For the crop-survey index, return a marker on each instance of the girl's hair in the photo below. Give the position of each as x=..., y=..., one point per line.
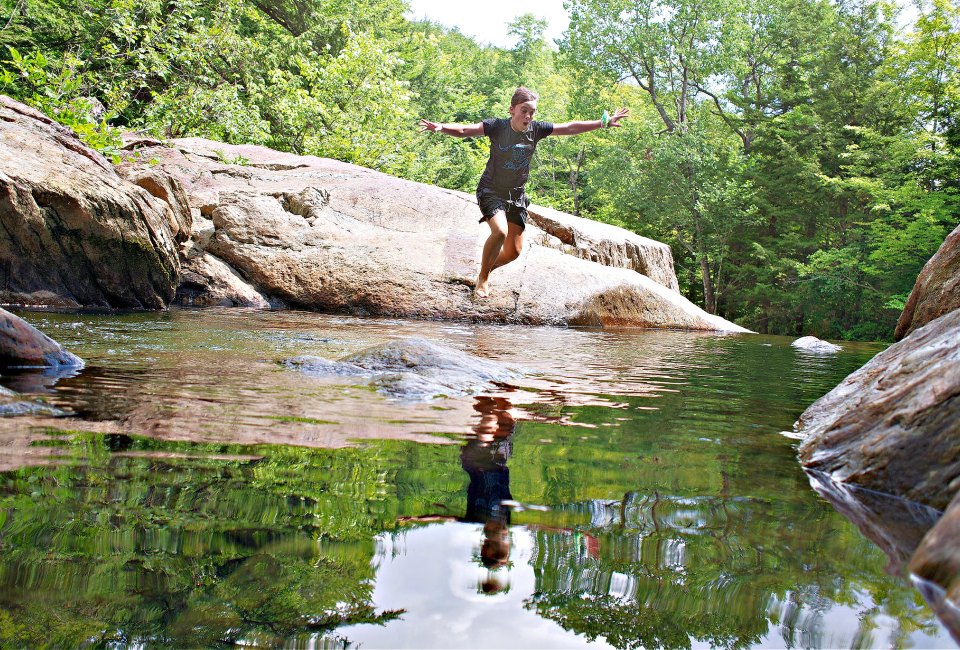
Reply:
x=521, y=95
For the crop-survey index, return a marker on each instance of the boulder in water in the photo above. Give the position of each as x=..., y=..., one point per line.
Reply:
x=894, y=425
x=23, y=345
x=813, y=344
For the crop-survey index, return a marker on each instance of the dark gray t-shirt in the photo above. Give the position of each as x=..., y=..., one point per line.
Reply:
x=510, y=152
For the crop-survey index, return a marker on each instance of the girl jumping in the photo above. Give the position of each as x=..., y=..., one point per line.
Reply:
x=500, y=192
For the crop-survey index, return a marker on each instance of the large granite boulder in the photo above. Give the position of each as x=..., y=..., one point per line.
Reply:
x=894, y=425
x=73, y=232
x=325, y=235
x=937, y=290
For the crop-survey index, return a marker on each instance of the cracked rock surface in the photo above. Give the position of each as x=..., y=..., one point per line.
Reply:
x=894, y=425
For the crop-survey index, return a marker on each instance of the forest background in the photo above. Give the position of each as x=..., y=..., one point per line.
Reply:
x=799, y=156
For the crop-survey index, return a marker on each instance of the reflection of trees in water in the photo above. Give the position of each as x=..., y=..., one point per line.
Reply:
x=200, y=548
x=183, y=547
x=670, y=569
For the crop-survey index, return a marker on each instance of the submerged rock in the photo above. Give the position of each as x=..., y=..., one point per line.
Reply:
x=937, y=289
x=894, y=425
x=23, y=345
x=321, y=367
x=813, y=344
x=412, y=369
x=72, y=232
x=12, y=404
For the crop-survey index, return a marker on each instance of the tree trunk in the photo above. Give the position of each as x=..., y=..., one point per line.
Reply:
x=709, y=302
x=709, y=299
x=574, y=177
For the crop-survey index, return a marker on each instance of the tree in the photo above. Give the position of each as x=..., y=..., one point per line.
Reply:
x=668, y=50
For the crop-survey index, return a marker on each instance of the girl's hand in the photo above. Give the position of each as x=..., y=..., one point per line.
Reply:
x=426, y=125
x=621, y=114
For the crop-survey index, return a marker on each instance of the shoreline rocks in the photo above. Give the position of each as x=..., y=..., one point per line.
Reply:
x=207, y=223
x=324, y=235
x=893, y=428
x=24, y=346
x=73, y=232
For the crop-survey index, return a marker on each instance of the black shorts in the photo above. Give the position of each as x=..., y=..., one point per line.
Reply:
x=514, y=205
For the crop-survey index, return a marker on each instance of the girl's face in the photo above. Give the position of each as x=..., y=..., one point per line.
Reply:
x=522, y=114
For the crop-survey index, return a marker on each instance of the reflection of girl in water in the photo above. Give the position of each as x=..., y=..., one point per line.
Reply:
x=484, y=459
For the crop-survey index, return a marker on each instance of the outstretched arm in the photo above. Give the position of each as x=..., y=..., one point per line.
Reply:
x=458, y=130
x=573, y=128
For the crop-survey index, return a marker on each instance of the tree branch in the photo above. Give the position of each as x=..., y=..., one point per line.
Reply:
x=724, y=116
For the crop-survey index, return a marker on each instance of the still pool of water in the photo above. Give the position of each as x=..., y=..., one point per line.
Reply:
x=631, y=489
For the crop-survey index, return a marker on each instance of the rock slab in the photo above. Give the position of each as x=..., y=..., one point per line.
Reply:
x=894, y=425
x=324, y=235
x=72, y=232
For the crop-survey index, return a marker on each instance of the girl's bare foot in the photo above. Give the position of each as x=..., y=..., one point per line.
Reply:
x=483, y=288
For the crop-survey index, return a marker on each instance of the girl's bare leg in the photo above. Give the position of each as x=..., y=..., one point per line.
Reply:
x=491, y=251
x=512, y=246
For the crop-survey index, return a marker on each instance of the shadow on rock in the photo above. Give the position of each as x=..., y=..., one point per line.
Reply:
x=411, y=369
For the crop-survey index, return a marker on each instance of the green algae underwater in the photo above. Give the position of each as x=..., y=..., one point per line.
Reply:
x=631, y=488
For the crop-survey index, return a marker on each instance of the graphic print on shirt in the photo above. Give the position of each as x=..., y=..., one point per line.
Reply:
x=508, y=166
x=520, y=155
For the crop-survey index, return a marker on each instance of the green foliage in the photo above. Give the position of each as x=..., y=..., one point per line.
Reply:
x=845, y=183
x=57, y=89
